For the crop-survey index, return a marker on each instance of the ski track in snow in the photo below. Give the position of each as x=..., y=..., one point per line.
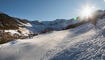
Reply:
x=81, y=43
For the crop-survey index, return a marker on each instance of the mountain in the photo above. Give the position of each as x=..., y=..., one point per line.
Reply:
x=12, y=28
x=84, y=42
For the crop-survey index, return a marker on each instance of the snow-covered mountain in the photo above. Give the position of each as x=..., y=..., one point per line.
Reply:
x=22, y=28
x=12, y=23
x=85, y=42
x=27, y=27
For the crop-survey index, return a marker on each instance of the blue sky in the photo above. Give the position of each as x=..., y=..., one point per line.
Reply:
x=46, y=9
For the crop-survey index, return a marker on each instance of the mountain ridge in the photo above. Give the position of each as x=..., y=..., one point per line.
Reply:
x=85, y=42
x=22, y=28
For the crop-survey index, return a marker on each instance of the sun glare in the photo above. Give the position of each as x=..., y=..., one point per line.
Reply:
x=87, y=11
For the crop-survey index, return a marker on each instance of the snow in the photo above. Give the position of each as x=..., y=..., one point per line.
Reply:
x=24, y=31
x=85, y=42
x=58, y=24
x=28, y=25
x=12, y=31
x=24, y=24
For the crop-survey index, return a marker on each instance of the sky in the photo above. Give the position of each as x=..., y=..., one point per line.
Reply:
x=45, y=10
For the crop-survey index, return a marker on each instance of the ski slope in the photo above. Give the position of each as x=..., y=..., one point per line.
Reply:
x=85, y=42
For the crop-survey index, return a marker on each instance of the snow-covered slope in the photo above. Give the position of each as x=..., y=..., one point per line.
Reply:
x=85, y=42
x=39, y=27
x=11, y=23
x=58, y=24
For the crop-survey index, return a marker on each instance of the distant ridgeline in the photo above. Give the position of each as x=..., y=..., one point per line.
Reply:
x=12, y=28
x=7, y=22
x=98, y=14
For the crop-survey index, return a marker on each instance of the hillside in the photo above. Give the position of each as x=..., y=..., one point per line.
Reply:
x=85, y=42
x=12, y=28
x=69, y=40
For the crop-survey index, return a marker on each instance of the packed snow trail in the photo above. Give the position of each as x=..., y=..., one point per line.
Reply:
x=81, y=43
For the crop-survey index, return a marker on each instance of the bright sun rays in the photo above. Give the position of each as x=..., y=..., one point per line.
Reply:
x=87, y=11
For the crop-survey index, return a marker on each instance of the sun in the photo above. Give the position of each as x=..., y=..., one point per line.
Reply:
x=87, y=11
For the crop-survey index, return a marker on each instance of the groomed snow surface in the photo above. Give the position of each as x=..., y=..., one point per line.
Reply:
x=85, y=42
